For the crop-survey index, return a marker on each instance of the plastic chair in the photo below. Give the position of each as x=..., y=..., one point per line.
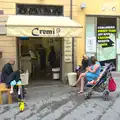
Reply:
x=4, y=89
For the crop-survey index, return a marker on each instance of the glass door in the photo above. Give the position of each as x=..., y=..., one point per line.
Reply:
x=106, y=40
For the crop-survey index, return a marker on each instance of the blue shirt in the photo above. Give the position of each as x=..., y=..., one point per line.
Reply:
x=98, y=70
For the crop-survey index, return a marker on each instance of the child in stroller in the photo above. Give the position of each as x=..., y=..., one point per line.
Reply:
x=101, y=83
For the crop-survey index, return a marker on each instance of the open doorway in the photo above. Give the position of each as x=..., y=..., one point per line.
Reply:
x=39, y=56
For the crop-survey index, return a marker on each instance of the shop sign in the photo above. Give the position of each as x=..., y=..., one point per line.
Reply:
x=68, y=50
x=91, y=45
x=38, y=32
x=43, y=31
x=103, y=35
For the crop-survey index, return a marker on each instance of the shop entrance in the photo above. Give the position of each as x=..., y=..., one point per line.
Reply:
x=39, y=56
x=106, y=40
x=42, y=32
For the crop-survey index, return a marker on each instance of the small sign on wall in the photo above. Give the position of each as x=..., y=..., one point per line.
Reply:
x=1, y=12
x=3, y=30
x=91, y=45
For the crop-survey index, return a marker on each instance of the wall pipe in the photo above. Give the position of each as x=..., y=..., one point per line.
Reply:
x=71, y=3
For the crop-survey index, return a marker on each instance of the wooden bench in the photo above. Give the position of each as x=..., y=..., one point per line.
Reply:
x=4, y=89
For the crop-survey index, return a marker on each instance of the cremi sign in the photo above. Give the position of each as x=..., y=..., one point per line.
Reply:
x=20, y=31
x=38, y=31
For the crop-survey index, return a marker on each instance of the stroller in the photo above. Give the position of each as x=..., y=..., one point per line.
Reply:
x=102, y=83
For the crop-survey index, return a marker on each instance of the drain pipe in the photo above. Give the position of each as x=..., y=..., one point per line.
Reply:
x=71, y=3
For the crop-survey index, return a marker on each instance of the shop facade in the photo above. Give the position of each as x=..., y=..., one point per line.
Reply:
x=9, y=46
x=96, y=31
x=101, y=31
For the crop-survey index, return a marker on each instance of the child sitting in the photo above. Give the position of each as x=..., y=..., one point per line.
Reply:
x=95, y=81
x=13, y=83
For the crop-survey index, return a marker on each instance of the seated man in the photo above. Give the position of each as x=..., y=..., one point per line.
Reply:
x=10, y=77
x=82, y=68
x=91, y=74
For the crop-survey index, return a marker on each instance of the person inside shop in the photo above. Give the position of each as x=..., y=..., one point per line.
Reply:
x=10, y=77
x=91, y=74
x=52, y=57
x=42, y=53
x=32, y=54
x=85, y=63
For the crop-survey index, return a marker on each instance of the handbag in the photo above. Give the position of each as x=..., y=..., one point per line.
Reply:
x=111, y=85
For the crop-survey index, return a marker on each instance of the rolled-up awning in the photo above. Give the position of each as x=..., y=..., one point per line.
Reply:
x=42, y=26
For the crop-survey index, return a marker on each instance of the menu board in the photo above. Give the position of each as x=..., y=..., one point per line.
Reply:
x=68, y=49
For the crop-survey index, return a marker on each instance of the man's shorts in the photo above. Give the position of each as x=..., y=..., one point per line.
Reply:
x=13, y=83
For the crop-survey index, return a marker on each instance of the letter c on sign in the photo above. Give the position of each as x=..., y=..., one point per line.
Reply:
x=34, y=33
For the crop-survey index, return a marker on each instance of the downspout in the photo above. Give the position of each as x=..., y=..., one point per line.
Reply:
x=71, y=3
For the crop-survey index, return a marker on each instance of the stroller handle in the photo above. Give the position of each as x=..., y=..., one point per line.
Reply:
x=109, y=67
x=112, y=65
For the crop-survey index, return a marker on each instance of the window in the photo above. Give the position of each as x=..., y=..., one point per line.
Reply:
x=48, y=10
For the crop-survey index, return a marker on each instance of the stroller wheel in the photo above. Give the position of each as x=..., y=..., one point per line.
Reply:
x=106, y=95
x=87, y=96
x=106, y=92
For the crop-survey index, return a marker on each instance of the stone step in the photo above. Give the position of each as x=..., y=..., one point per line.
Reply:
x=42, y=108
x=60, y=111
x=90, y=110
x=113, y=113
x=43, y=111
x=45, y=96
x=64, y=109
x=94, y=108
x=9, y=111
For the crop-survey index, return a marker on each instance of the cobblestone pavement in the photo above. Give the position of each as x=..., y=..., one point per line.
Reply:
x=61, y=102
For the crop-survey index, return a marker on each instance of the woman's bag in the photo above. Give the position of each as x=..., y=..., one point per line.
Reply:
x=111, y=85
